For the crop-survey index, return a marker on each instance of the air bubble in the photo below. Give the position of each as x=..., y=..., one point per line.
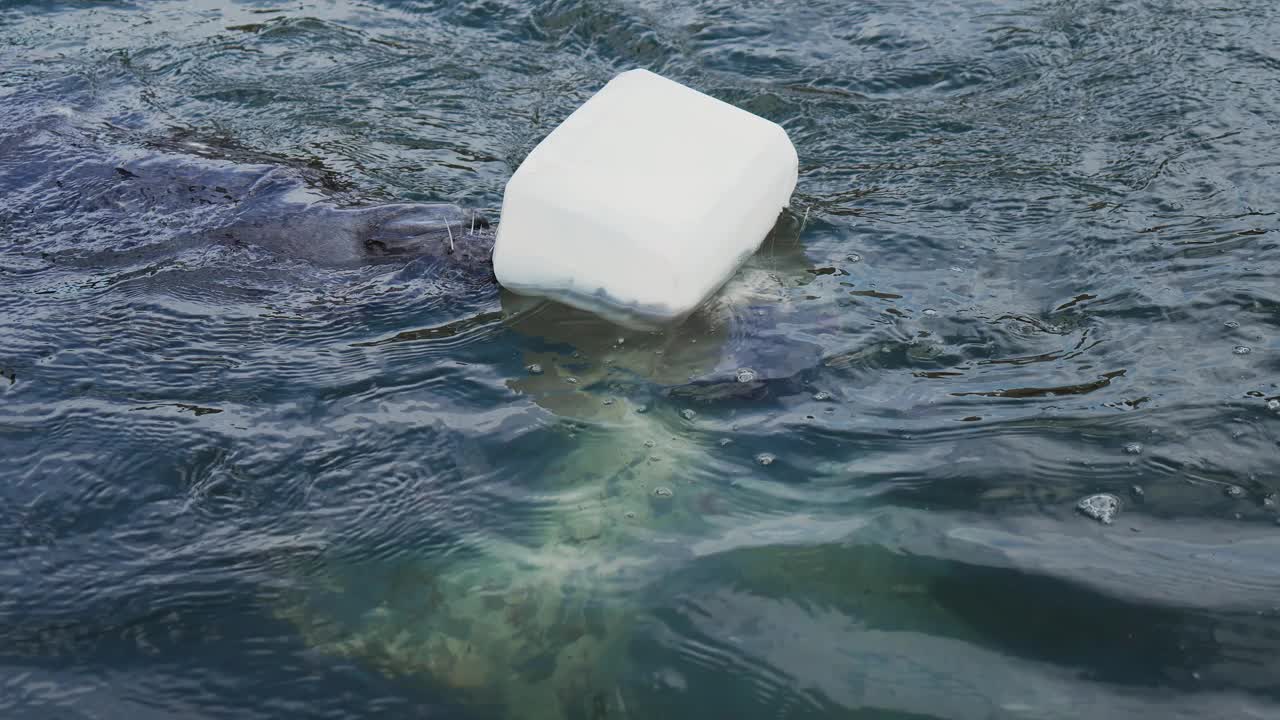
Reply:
x=1133, y=448
x=571, y=380
x=853, y=257
x=765, y=458
x=662, y=492
x=534, y=369
x=1234, y=492
x=930, y=312
x=1273, y=404
x=688, y=414
x=822, y=396
x=1242, y=350
x=725, y=442
x=745, y=375
x=1232, y=324
x=649, y=443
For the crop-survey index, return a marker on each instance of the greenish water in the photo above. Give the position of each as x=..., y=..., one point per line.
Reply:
x=1032, y=257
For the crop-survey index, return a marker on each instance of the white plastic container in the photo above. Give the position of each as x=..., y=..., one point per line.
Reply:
x=643, y=202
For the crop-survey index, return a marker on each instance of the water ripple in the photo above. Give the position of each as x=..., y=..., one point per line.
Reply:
x=1031, y=258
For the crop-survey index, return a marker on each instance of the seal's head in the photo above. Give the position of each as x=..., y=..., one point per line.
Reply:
x=436, y=229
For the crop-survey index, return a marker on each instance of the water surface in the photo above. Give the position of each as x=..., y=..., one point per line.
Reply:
x=1032, y=256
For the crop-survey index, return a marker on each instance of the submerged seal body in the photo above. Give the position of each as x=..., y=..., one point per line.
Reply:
x=276, y=207
x=527, y=627
x=94, y=193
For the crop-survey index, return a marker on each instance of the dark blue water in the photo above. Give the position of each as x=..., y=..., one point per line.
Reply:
x=1032, y=257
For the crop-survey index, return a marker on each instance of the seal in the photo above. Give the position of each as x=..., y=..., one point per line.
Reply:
x=532, y=627
x=90, y=194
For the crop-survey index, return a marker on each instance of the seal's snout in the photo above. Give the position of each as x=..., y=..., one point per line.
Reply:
x=420, y=228
x=427, y=229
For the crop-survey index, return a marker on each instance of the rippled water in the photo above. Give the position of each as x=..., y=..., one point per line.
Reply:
x=1032, y=257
